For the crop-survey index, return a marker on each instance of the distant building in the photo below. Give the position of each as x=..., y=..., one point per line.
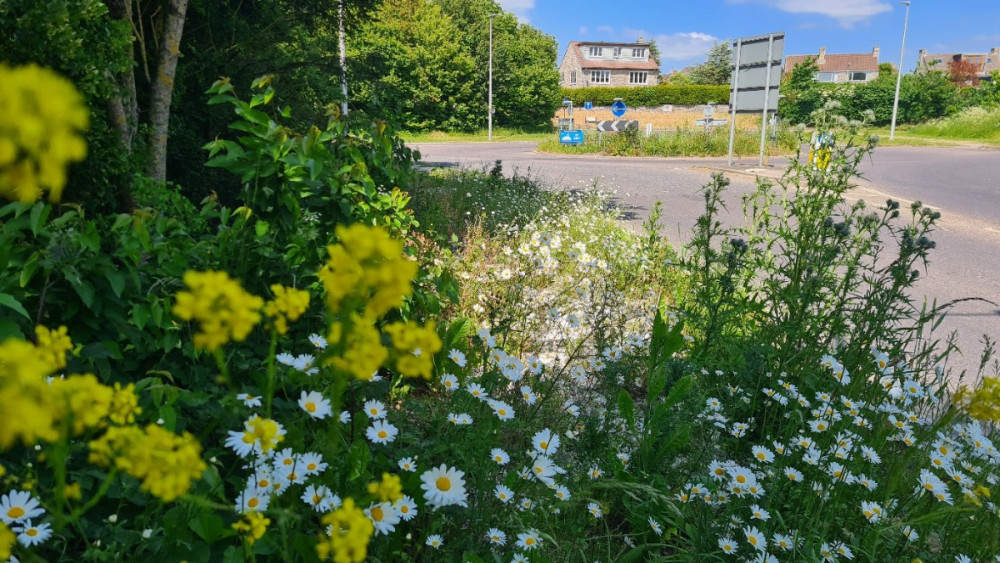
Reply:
x=608, y=64
x=849, y=68
x=985, y=62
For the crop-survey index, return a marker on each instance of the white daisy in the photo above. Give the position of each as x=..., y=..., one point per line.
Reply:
x=503, y=493
x=457, y=357
x=595, y=510
x=315, y=404
x=317, y=341
x=306, y=363
x=406, y=508
x=30, y=535
x=546, y=442
x=449, y=382
x=407, y=464
x=249, y=400
x=496, y=537
x=345, y=417
x=444, y=486
x=19, y=506
x=501, y=409
x=528, y=395
x=382, y=432
x=375, y=409
x=312, y=463
x=435, y=541
x=655, y=526
x=383, y=516
x=562, y=493
x=476, y=390
x=253, y=499
x=285, y=359
x=320, y=498
x=528, y=540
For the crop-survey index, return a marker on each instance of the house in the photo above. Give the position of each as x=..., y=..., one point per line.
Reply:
x=849, y=68
x=985, y=62
x=608, y=64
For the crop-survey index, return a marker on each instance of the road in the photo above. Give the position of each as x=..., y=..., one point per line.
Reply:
x=962, y=183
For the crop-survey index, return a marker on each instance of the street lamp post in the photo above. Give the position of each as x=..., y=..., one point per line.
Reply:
x=489, y=116
x=899, y=74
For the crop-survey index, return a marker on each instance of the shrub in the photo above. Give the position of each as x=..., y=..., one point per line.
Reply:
x=644, y=96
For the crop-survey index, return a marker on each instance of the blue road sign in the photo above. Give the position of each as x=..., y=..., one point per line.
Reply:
x=588, y=105
x=571, y=137
x=618, y=108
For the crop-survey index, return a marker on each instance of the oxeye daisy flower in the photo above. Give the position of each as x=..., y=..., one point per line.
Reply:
x=320, y=498
x=375, y=409
x=793, y=474
x=843, y=550
x=543, y=468
x=383, y=516
x=316, y=405
x=496, y=537
x=285, y=359
x=782, y=541
x=503, y=493
x=444, y=486
x=527, y=504
x=755, y=538
x=655, y=526
x=528, y=395
x=249, y=400
x=253, y=499
x=728, y=546
x=382, y=432
x=759, y=513
x=306, y=363
x=406, y=508
x=595, y=473
x=760, y=453
x=449, y=382
x=546, y=442
x=499, y=456
x=435, y=541
x=318, y=341
x=562, y=493
x=520, y=558
x=476, y=390
x=19, y=506
x=528, y=540
x=595, y=510
x=458, y=357
x=871, y=510
x=407, y=464
x=910, y=534
x=30, y=535
x=312, y=463
x=345, y=417
x=935, y=486
x=502, y=410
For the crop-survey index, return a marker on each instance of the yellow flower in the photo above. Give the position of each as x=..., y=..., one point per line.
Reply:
x=350, y=531
x=82, y=400
x=415, y=346
x=165, y=462
x=7, y=541
x=366, y=271
x=42, y=117
x=26, y=398
x=253, y=525
x=72, y=491
x=223, y=309
x=983, y=403
x=53, y=344
x=124, y=405
x=389, y=489
x=360, y=348
x=288, y=305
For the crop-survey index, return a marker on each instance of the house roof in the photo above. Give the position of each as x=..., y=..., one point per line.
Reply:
x=648, y=64
x=612, y=44
x=836, y=63
x=991, y=60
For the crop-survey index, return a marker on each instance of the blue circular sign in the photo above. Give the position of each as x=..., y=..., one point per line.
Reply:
x=618, y=108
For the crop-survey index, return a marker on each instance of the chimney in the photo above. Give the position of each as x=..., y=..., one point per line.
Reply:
x=822, y=56
x=995, y=52
x=875, y=51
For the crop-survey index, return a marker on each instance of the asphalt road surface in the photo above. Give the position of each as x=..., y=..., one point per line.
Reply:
x=962, y=183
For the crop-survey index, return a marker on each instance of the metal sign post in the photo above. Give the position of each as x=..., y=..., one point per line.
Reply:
x=756, y=73
x=732, y=99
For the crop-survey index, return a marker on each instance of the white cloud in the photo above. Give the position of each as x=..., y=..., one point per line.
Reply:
x=584, y=30
x=519, y=8
x=606, y=29
x=846, y=12
x=677, y=47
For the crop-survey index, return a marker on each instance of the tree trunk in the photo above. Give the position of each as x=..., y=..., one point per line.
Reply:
x=162, y=89
x=123, y=108
x=341, y=44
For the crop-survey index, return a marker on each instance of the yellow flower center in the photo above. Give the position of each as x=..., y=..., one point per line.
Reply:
x=529, y=541
x=752, y=540
x=741, y=479
x=503, y=412
x=15, y=512
x=252, y=503
x=247, y=438
x=929, y=486
x=443, y=484
x=383, y=434
x=288, y=461
x=263, y=483
x=377, y=514
x=32, y=532
x=545, y=445
x=311, y=467
x=373, y=412
x=404, y=509
x=317, y=499
x=310, y=407
x=761, y=455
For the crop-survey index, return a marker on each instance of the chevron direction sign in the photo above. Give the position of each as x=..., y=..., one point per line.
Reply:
x=617, y=125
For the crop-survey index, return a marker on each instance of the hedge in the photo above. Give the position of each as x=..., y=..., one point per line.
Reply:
x=646, y=96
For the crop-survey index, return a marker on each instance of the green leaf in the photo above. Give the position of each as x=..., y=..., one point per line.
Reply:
x=9, y=329
x=679, y=391
x=626, y=406
x=232, y=555
x=358, y=459
x=261, y=228
x=140, y=315
x=9, y=301
x=39, y=214
x=117, y=281
x=29, y=269
x=169, y=416
x=208, y=526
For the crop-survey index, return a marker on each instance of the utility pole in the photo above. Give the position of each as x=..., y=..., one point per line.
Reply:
x=489, y=116
x=899, y=74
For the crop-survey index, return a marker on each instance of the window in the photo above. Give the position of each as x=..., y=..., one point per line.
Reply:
x=637, y=77
x=618, y=52
x=572, y=77
x=858, y=76
x=600, y=76
x=639, y=53
x=596, y=51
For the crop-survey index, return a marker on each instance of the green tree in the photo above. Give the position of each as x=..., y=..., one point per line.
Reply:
x=718, y=68
x=407, y=64
x=801, y=94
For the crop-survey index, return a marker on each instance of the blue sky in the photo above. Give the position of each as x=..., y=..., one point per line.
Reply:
x=686, y=30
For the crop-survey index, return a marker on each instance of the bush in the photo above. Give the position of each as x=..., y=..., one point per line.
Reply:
x=645, y=96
